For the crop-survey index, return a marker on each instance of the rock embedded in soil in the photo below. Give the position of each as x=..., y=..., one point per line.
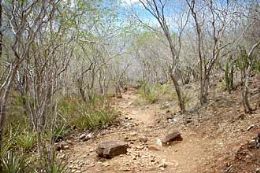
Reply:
x=255, y=143
x=61, y=146
x=85, y=137
x=153, y=148
x=110, y=149
x=143, y=139
x=188, y=121
x=82, y=136
x=105, y=164
x=163, y=164
x=171, y=137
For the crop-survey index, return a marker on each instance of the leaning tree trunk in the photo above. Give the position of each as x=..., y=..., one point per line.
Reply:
x=179, y=93
x=204, y=86
x=245, y=74
x=172, y=72
x=2, y=101
x=245, y=91
x=4, y=93
x=2, y=120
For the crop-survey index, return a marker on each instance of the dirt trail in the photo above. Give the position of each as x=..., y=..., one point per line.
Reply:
x=144, y=115
x=194, y=154
x=183, y=157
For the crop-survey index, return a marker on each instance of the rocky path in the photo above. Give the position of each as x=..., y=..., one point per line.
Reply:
x=183, y=157
x=141, y=127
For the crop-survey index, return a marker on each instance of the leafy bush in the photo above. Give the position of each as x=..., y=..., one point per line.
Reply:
x=229, y=75
x=17, y=162
x=94, y=119
x=60, y=131
x=26, y=140
x=17, y=154
x=56, y=167
x=148, y=92
x=153, y=92
x=243, y=61
x=49, y=163
x=256, y=65
x=14, y=163
x=92, y=115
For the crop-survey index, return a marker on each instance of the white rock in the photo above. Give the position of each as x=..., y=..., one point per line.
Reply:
x=105, y=164
x=158, y=142
x=163, y=164
x=82, y=136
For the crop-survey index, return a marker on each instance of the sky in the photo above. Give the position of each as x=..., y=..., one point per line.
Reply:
x=130, y=2
x=171, y=11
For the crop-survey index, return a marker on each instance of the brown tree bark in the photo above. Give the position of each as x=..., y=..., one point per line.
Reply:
x=246, y=73
x=156, y=9
x=179, y=93
x=2, y=99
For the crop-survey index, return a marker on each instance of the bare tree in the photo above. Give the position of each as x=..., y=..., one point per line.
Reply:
x=216, y=23
x=24, y=27
x=157, y=9
x=2, y=107
x=152, y=57
x=247, y=61
x=119, y=78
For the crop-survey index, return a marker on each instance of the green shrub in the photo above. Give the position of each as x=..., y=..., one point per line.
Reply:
x=60, y=131
x=56, y=167
x=229, y=75
x=17, y=118
x=14, y=163
x=26, y=140
x=187, y=98
x=243, y=61
x=153, y=92
x=49, y=163
x=148, y=92
x=92, y=115
x=17, y=162
x=256, y=65
x=93, y=120
x=72, y=112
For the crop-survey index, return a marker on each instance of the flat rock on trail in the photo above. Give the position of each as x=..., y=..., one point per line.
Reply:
x=195, y=153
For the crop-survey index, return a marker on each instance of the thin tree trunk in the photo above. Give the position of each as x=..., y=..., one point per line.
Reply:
x=245, y=93
x=2, y=102
x=82, y=93
x=157, y=10
x=245, y=80
x=172, y=72
x=4, y=93
x=231, y=78
x=2, y=120
x=179, y=93
x=204, y=90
